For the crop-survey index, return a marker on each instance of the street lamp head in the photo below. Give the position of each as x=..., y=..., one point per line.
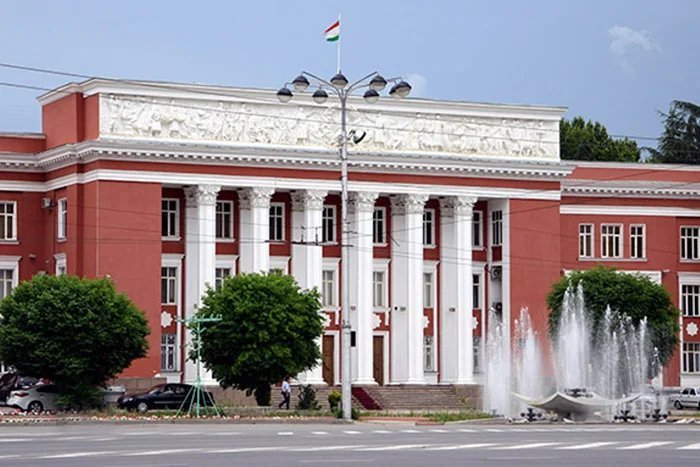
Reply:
x=300, y=83
x=400, y=90
x=284, y=94
x=320, y=96
x=377, y=83
x=371, y=96
x=339, y=81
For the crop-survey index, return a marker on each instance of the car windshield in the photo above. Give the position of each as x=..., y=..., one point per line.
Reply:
x=155, y=389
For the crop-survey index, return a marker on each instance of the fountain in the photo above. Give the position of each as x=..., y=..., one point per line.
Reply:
x=596, y=367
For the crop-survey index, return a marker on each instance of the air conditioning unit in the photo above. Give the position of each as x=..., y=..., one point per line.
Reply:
x=46, y=203
x=496, y=273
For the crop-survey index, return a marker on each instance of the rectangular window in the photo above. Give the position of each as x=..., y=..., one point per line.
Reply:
x=611, y=241
x=224, y=220
x=328, y=289
x=690, y=240
x=691, y=357
x=169, y=218
x=328, y=224
x=477, y=227
x=168, y=286
x=220, y=274
x=496, y=228
x=476, y=291
x=378, y=289
x=168, y=352
x=476, y=344
x=6, y=282
x=638, y=241
x=277, y=222
x=585, y=240
x=8, y=222
x=427, y=290
x=690, y=300
x=62, y=219
x=429, y=227
x=379, y=226
x=428, y=353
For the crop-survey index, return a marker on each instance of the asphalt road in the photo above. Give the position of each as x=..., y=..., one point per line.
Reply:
x=219, y=444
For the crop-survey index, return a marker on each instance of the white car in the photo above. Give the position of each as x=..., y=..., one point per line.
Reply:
x=37, y=399
x=689, y=397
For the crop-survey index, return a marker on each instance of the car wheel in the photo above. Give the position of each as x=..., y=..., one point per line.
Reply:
x=142, y=407
x=678, y=405
x=35, y=407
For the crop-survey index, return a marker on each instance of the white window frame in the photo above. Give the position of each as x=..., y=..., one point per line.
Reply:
x=325, y=220
x=62, y=218
x=170, y=351
x=615, y=236
x=692, y=354
x=382, y=230
x=692, y=240
x=176, y=231
x=382, y=265
x=429, y=228
x=588, y=238
x=478, y=226
x=279, y=217
x=169, y=287
x=634, y=254
x=331, y=265
x=221, y=220
x=279, y=263
x=10, y=263
x=690, y=300
x=429, y=297
x=61, y=265
x=477, y=287
x=9, y=220
x=496, y=219
x=379, y=290
x=224, y=262
x=429, y=358
x=174, y=260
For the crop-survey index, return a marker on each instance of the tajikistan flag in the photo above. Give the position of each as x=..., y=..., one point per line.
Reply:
x=332, y=34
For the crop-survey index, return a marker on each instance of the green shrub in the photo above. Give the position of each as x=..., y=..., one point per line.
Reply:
x=334, y=398
x=307, y=399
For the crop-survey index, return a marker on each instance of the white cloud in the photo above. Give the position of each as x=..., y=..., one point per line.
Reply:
x=625, y=41
x=419, y=84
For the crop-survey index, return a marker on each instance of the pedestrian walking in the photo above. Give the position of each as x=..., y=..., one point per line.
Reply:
x=286, y=393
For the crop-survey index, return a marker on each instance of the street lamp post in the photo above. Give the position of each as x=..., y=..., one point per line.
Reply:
x=338, y=84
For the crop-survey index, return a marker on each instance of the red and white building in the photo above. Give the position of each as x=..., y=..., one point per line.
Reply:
x=455, y=208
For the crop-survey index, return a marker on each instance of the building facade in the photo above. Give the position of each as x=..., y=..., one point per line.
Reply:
x=457, y=211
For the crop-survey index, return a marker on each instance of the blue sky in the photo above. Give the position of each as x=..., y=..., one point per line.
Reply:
x=617, y=62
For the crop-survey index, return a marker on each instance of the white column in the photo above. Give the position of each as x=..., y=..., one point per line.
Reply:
x=307, y=256
x=456, y=349
x=200, y=258
x=361, y=209
x=255, y=229
x=407, y=289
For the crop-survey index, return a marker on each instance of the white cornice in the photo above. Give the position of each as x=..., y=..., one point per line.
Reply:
x=646, y=166
x=607, y=210
x=631, y=189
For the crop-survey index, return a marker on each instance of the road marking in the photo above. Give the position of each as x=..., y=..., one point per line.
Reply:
x=351, y=432
x=460, y=446
x=439, y=431
x=382, y=432
x=589, y=445
x=410, y=431
x=225, y=433
x=77, y=454
x=397, y=447
x=285, y=433
x=234, y=450
x=13, y=440
x=319, y=432
x=161, y=451
x=691, y=446
x=327, y=448
x=652, y=444
x=104, y=439
x=466, y=430
x=494, y=430
x=9, y=456
x=525, y=446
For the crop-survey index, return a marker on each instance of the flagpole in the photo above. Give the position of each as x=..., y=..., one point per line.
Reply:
x=338, y=48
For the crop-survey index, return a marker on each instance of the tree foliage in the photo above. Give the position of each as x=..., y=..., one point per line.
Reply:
x=634, y=295
x=680, y=140
x=76, y=332
x=268, y=331
x=589, y=141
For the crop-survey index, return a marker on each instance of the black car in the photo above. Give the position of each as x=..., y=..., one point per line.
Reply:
x=13, y=381
x=165, y=396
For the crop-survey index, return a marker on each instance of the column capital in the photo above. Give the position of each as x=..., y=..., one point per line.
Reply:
x=308, y=199
x=362, y=201
x=201, y=195
x=408, y=204
x=256, y=197
x=457, y=205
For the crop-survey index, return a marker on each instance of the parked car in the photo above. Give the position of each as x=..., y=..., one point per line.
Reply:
x=688, y=397
x=35, y=399
x=13, y=381
x=164, y=396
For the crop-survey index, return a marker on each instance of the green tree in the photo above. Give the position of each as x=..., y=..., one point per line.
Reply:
x=76, y=332
x=589, y=141
x=634, y=295
x=268, y=331
x=680, y=140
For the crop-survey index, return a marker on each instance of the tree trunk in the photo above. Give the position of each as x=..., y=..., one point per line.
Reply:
x=263, y=395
